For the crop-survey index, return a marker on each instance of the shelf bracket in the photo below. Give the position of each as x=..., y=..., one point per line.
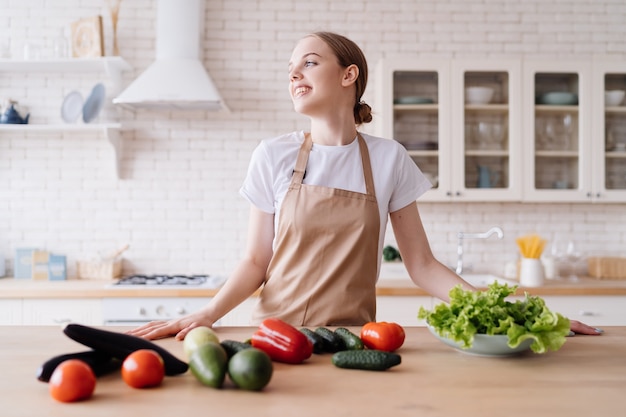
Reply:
x=114, y=138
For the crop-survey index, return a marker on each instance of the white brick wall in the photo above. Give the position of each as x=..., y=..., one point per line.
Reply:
x=178, y=204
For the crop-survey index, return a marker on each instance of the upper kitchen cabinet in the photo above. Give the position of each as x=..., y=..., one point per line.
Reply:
x=485, y=156
x=415, y=103
x=608, y=132
x=468, y=148
x=558, y=144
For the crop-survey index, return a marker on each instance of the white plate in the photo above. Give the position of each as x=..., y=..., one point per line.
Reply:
x=72, y=107
x=485, y=345
x=94, y=103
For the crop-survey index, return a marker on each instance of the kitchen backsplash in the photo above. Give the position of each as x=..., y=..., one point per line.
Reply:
x=177, y=201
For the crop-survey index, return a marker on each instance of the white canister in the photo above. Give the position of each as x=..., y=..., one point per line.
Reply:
x=531, y=272
x=549, y=268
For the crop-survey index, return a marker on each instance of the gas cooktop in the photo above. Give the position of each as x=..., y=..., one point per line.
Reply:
x=170, y=281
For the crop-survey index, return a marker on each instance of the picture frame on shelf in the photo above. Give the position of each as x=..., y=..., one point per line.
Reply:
x=87, y=37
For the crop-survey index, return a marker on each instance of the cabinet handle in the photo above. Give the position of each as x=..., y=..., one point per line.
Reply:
x=62, y=321
x=449, y=193
x=586, y=313
x=589, y=195
x=458, y=194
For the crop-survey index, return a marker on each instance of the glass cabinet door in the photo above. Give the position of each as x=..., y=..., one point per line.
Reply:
x=558, y=135
x=609, y=127
x=485, y=140
x=414, y=97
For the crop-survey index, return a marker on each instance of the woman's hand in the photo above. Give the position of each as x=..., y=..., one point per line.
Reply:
x=178, y=327
x=582, y=328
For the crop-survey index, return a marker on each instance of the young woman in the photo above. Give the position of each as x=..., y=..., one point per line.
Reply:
x=320, y=201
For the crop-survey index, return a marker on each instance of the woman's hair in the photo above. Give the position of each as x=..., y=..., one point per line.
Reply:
x=348, y=53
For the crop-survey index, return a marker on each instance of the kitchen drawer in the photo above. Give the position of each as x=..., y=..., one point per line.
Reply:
x=51, y=312
x=592, y=310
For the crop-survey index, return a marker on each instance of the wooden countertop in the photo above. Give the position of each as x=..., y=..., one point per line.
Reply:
x=586, y=377
x=77, y=288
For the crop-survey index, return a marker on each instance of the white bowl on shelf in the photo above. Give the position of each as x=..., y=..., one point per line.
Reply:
x=478, y=95
x=613, y=97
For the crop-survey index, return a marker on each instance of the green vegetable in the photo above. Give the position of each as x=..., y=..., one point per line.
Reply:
x=316, y=340
x=350, y=340
x=331, y=342
x=209, y=364
x=369, y=360
x=487, y=312
x=233, y=346
x=391, y=254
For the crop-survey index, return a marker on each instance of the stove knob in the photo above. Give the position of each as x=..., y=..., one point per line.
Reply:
x=141, y=311
x=180, y=310
x=160, y=310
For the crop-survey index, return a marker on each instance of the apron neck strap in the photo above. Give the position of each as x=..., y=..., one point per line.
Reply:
x=367, y=166
x=303, y=156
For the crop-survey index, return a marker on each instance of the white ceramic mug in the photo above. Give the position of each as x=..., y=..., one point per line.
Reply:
x=531, y=273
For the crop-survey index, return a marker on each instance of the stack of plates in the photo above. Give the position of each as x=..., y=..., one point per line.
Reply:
x=73, y=105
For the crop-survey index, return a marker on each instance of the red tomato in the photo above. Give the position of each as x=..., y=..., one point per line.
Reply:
x=382, y=336
x=72, y=380
x=143, y=368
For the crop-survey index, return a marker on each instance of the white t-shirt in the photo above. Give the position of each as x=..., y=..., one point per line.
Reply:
x=397, y=180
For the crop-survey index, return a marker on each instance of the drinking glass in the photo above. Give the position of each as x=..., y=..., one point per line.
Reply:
x=572, y=257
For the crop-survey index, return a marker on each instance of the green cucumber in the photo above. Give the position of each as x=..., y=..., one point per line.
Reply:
x=233, y=346
x=350, y=340
x=315, y=339
x=369, y=360
x=331, y=342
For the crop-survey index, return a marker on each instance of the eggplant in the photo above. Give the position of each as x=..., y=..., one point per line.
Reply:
x=120, y=345
x=100, y=363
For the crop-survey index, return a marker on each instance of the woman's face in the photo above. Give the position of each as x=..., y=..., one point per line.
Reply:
x=316, y=80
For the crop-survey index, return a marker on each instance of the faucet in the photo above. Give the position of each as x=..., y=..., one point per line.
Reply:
x=461, y=235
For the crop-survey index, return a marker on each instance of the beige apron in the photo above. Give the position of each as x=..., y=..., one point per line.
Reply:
x=323, y=271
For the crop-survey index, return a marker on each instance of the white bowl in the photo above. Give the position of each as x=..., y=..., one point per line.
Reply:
x=613, y=97
x=478, y=95
x=485, y=345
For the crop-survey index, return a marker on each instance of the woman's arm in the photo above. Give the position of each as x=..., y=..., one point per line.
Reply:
x=424, y=270
x=430, y=274
x=247, y=278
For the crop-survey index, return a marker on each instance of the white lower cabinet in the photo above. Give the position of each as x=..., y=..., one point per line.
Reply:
x=601, y=310
x=59, y=310
x=240, y=315
x=402, y=310
x=10, y=312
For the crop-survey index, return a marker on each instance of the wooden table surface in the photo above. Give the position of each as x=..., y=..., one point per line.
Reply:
x=586, y=377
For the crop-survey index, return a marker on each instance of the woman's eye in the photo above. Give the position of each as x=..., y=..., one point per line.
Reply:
x=309, y=63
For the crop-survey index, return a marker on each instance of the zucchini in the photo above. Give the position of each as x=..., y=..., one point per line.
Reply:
x=315, y=339
x=120, y=345
x=99, y=362
x=233, y=346
x=369, y=360
x=331, y=342
x=350, y=340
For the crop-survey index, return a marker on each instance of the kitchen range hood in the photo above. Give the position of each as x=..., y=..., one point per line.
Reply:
x=177, y=79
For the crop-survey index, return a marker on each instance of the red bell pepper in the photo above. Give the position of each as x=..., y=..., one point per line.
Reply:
x=382, y=336
x=282, y=342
